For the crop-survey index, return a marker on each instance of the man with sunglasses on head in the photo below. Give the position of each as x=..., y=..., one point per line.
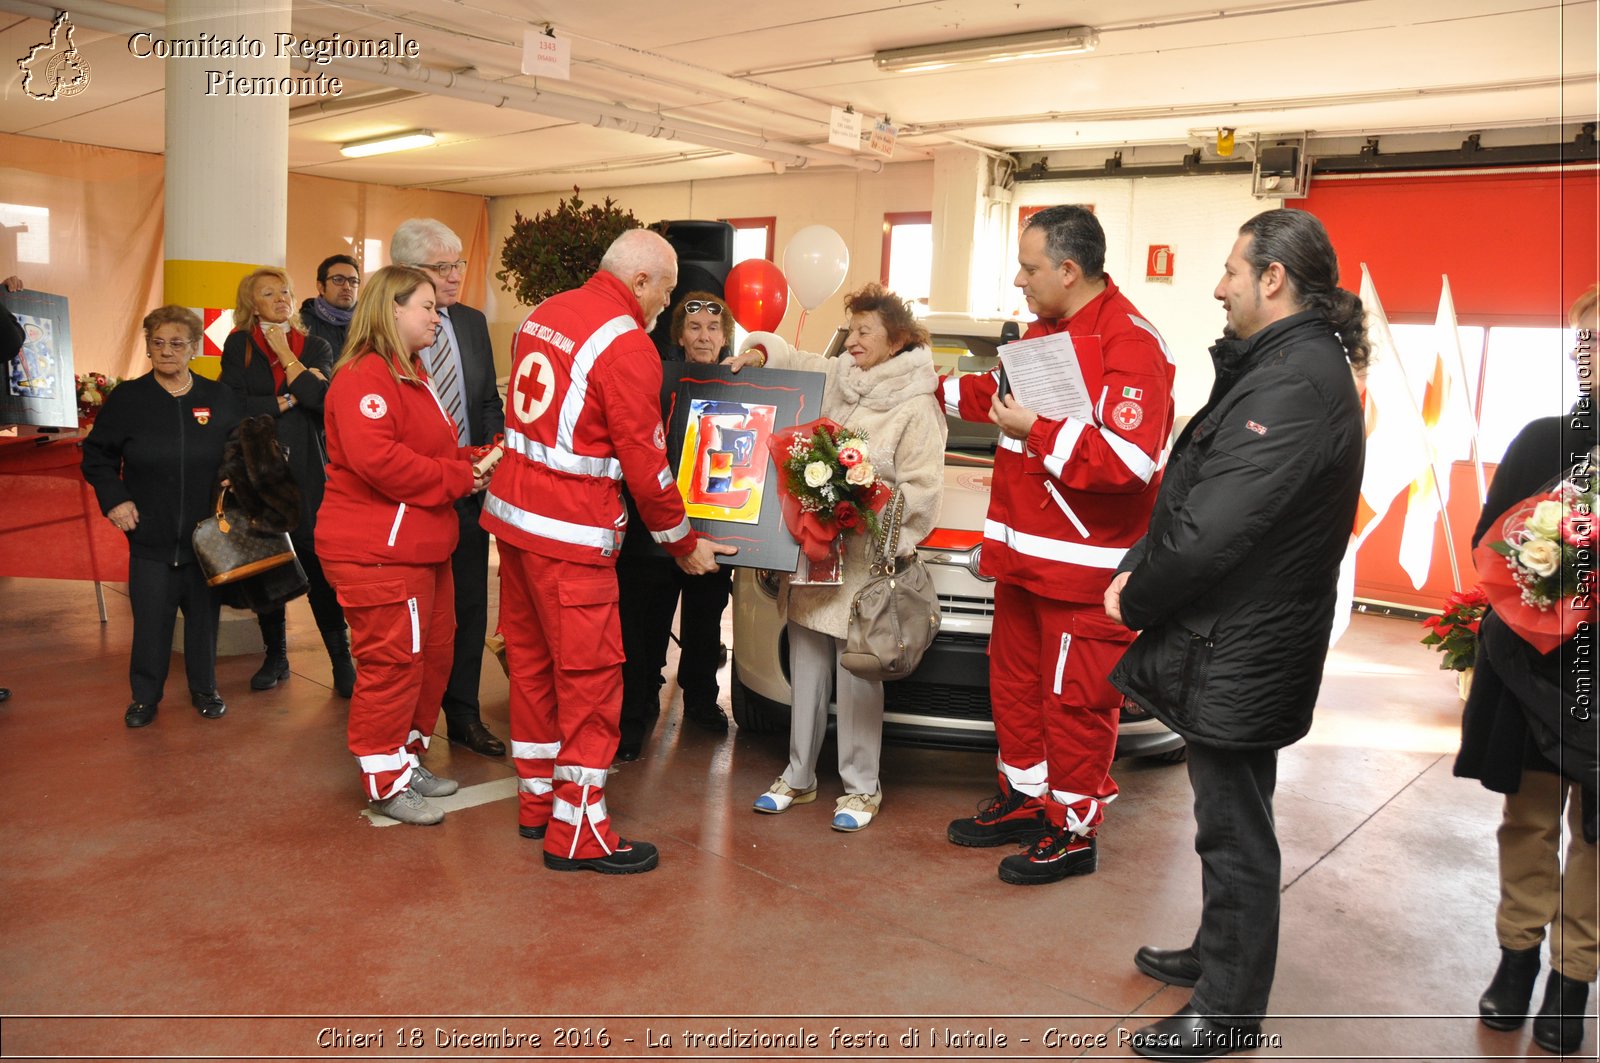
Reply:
x=328, y=315
x=461, y=366
x=650, y=585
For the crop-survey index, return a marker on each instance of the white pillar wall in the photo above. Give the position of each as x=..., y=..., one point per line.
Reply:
x=227, y=156
x=960, y=187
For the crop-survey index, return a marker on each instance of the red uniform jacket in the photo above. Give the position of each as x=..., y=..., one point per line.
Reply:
x=394, y=470
x=583, y=414
x=1065, y=506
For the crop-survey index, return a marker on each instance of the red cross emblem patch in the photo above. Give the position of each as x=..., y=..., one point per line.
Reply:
x=202, y=415
x=660, y=439
x=373, y=406
x=1127, y=415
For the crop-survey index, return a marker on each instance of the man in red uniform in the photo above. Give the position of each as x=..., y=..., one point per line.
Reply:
x=1068, y=498
x=584, y=412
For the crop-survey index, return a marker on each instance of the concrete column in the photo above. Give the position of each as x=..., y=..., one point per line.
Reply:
x=227, y=188
x=227, y=175
x=960, y=184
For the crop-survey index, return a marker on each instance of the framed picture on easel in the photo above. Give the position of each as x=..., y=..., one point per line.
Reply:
x=39, y=385
x=718, y=423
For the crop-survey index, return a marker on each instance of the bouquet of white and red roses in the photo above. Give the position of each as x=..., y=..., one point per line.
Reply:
x=92, y=391
x=827, y=484
x=1540, y=573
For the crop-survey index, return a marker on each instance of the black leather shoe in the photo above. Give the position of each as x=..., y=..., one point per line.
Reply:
x=531, y=833
x=629, y=858
x=480, y=740
x=1558, y=1027
x=139, y=715
x=274, y=670
x=1172, y=966
x=627, y=752
x=1504, y=1005
x=707, y=718
x=1188, y=1035
x=209, y=703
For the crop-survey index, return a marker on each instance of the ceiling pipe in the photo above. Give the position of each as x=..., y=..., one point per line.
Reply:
x=576, y=109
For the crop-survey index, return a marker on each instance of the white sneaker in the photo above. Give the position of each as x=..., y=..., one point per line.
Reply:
x=855, y=811
x=780, y=795
x=428, y=784
x=407, y=806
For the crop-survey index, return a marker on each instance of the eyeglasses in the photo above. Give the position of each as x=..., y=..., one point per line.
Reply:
x=343, y=282
x=444, y=269
x=694, y=306
x=175, y=346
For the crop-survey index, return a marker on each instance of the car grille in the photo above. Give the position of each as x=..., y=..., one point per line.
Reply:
x=965, y=605
x=931, y=699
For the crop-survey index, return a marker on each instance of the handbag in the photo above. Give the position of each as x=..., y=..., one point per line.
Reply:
x=895, y=616
x=229, y=550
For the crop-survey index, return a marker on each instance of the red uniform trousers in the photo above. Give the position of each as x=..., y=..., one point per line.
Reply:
x=1055, y=713
x=402, y=634
x=564, y=655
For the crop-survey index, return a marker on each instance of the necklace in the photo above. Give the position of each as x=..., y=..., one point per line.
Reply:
x=181, y=391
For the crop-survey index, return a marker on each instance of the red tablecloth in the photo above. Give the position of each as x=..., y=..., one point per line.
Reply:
x=50, y=523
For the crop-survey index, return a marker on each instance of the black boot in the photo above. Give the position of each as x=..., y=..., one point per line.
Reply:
x=274, y=632
x=1559, y=1025
x=344, y=669
x=1504, y=1005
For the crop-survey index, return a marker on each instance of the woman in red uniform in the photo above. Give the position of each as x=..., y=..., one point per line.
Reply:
x=386, y=533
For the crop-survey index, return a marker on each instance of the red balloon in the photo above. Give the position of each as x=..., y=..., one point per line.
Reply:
x=757, y=295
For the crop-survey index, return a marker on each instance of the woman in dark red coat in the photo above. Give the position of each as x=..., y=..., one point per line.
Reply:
x=387, y=532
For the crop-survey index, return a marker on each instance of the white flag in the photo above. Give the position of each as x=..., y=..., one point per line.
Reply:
x=1397, y=447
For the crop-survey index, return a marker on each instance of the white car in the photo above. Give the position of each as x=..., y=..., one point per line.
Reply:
x=945, y=702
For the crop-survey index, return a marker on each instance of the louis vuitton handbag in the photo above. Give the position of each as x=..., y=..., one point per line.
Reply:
x=229, y=550
x=895, y=616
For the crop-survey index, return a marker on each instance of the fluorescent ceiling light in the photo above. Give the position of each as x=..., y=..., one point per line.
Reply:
x=411, y=138
x=1067, y=41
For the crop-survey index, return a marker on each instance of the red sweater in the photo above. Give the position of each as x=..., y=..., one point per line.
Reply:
x=1065, y=506
x=394, y=470
x=583, y=414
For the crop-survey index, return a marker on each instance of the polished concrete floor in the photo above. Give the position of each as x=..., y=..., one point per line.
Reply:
x=207, y=889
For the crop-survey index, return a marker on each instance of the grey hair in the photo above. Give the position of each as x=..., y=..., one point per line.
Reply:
x=418, y=240
x=638, y=251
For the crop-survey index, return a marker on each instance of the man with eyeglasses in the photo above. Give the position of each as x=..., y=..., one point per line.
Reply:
x=461, y=366
x=328, y=315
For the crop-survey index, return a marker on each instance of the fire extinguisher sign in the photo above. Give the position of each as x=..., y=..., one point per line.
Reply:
x=1158, y=264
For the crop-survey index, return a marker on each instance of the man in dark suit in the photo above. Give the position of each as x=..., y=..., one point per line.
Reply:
x=328, y=315
x=461, y=363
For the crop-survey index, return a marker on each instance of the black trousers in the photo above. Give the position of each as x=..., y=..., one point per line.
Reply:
x=470, y=567
x=1240, y=879
x=324, y=603
x=158, y=590
x=648, y=592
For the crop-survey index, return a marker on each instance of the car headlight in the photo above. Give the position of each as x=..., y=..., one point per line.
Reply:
x=767, y=580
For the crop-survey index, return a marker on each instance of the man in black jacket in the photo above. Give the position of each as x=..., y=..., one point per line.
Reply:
x=1233, y=590
x=328, y=315
x=461, y=364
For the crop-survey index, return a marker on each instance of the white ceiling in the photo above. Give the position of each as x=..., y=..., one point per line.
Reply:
x=760, y=70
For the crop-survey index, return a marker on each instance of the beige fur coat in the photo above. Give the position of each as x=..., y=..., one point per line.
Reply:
x=895, y=405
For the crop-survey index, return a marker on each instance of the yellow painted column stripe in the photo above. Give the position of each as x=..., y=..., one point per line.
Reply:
x=204, y=285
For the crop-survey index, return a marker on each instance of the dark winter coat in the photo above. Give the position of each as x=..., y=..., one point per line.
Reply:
x=299, y=427
x=1519, y=714
x=1233, y=586
x=161, y=453
x=326, y=331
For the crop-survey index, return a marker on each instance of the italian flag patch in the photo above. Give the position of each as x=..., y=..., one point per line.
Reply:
x=1133, y=393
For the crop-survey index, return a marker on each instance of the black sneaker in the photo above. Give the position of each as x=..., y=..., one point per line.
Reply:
x=139, y=714
x=707, y=718
x=628, y=858
x=1055, y=856
x=209, y=702
x=531, y=833
x=1008, y=818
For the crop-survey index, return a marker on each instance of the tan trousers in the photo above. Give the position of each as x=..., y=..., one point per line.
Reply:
x=1535, y=891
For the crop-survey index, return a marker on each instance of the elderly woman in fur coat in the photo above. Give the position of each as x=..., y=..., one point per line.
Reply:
x=883, y=386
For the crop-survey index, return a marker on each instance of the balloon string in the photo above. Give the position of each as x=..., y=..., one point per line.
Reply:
x=800, y=325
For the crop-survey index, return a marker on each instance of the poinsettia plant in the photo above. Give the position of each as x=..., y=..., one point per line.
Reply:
x=828, y=482
x=1454, y=633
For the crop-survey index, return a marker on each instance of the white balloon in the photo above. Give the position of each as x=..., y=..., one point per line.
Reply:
x=814, y=263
